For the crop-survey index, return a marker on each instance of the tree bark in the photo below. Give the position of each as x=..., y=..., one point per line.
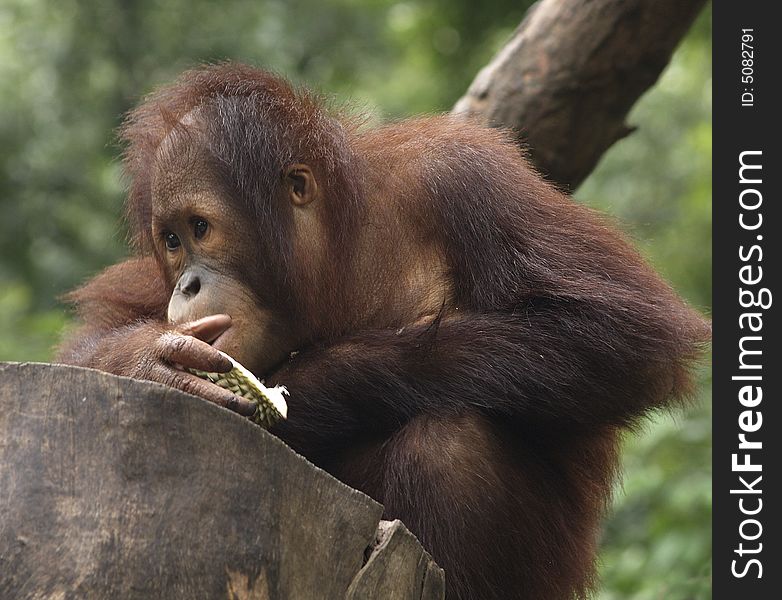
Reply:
x=566, y=80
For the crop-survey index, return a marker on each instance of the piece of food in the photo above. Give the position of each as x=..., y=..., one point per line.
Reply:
x=270, y=402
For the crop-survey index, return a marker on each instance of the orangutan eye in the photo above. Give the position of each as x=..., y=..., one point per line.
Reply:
x=172, y=241
x=199, y=228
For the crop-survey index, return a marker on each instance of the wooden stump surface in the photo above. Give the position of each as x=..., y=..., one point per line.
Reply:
x=111, y=487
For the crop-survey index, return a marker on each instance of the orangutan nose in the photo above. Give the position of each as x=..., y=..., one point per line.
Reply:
x=189, y=284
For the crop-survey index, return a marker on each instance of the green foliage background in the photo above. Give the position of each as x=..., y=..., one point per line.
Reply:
x=70, y=68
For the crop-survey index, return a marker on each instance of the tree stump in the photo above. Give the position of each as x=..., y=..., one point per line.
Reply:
x=112, y=487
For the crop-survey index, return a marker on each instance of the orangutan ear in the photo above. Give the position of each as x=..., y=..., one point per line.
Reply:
x=301, y=184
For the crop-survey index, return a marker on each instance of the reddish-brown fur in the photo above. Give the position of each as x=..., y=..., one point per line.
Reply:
x=475, y=342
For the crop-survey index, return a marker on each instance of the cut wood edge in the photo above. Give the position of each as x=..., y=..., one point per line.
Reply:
x=399, y=566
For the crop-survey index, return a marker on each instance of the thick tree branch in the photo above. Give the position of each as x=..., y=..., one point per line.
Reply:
x=570, y=74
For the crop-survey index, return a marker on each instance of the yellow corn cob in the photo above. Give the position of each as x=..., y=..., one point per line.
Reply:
x=270, y=402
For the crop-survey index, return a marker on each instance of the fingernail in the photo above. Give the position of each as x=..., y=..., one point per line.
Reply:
x=237, y=406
